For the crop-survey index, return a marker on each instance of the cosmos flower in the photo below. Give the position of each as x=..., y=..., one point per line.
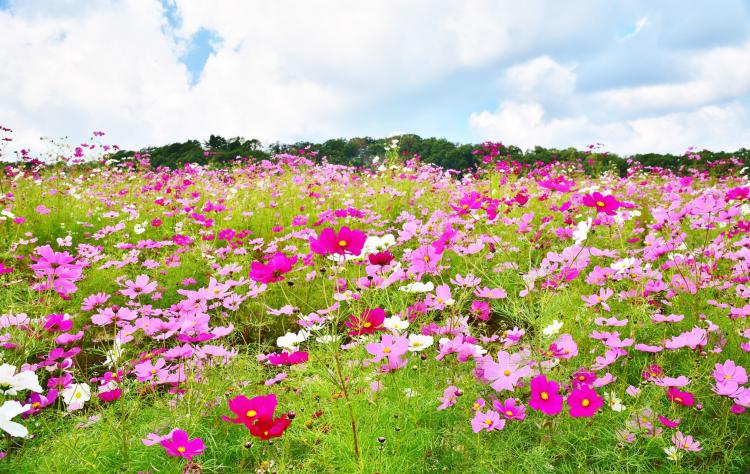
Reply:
x=545, y=396
x=584, y=402
x=180, y=445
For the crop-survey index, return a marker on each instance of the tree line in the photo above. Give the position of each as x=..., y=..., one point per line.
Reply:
x=361, y=151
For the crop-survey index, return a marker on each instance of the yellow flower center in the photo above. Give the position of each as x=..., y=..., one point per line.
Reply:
x=488, y=422
x=509, y=413
x=727, y=377
x=544, y=396
x=426, y=258
x=600, y=203
x=367, y=324
x=251, y=413
x=181, y=449
x=581, y=378
x=387, y=350
x=678, y=399
x=35, y=405
x=342, y=243
x=585, y=402
x=506, y=373
x=153, y=371
x=79, y=395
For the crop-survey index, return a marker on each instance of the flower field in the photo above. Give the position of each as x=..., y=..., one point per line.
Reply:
x=287, y=316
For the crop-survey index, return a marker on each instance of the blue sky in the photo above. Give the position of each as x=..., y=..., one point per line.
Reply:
x=635, y=76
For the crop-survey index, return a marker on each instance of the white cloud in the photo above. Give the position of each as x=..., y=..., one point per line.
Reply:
x=660, y=118
x=292, y=70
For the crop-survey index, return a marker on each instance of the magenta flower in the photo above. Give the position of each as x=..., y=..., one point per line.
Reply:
x=606, y=204
x=487, y=421
x=345, y=241
x=273, y=270
x=683, y=398
x=584, y=402
x=544, y=396
x=180, y=445
x=249, y=410
x=511, y=409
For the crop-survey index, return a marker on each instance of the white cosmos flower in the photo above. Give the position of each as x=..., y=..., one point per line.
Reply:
x=11, y=383
x=614, y=403
x=327, y=339
x=418, y=287
x=76, y=395
x=291, y=340
x=9, y=410
x=394, y=323
x=553, y=328
x=419, y=342
x=582, y=231
x=622, y=265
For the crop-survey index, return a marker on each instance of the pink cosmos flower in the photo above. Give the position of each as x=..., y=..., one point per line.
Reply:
x=390, y=347
x=564, y=347
x=505, y=373
x=273, y=270
x=584, y=402
x=425, y=259
x=511, y=409
x=600, y=299
x=487, y=421
x=141, y=286
x=606, y=204
x=180, y=445
x=345, y=241
x=490, y=293
x=544, y=396
x=729, y=371
x=686, y=443
x=449, y=398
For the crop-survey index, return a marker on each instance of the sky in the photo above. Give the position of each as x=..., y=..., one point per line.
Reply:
x=636, y=76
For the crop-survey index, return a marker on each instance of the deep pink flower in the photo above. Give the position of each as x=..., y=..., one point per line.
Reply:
x=368, y=322
x=273, y=270
x=584, y=402
x=683, y=398
x=606, y=204
x=510, y=409
x=345, y=241
x=544, y=396
x=250, y=410
x=285, y=358
x=180, y=445
x=266, y=428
